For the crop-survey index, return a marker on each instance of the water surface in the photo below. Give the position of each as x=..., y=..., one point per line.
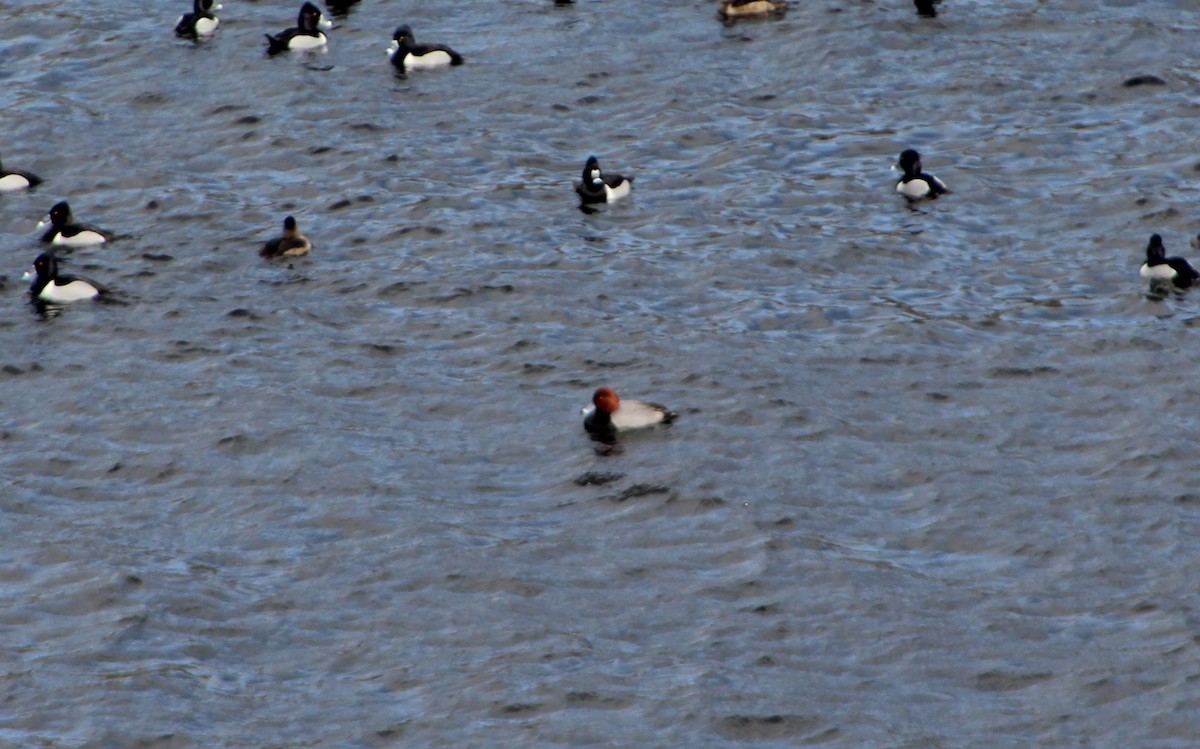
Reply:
x=932, y=483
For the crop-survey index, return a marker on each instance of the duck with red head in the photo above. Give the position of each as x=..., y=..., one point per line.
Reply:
x=609, y=413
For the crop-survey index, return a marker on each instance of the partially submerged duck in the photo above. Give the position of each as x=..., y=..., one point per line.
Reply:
x=15, y=179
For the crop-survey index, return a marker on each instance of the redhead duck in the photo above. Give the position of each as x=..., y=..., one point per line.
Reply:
x=608, y=413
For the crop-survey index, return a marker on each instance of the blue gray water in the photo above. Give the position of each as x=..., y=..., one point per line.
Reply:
x=932, y=482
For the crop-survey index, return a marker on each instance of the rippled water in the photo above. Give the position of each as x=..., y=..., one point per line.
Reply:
x=931, y=483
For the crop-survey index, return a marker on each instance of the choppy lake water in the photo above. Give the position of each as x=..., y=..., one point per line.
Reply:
x=931, y=485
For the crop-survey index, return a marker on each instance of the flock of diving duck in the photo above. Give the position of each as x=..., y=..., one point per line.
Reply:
x=608, y=413
x=307, y=34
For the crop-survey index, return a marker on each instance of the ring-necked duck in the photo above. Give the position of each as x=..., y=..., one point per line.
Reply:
x=64, y=231
x=1159, y=267
x=15, y=179
x=306, y=34
x=49, y=286
x=290, y=244
x=916, y=184
x=597, y=187
x=200, y=22
x=405, y=54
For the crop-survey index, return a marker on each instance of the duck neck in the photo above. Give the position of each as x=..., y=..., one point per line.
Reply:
x=601, y=419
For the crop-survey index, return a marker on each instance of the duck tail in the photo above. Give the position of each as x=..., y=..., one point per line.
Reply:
x=275, y=45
